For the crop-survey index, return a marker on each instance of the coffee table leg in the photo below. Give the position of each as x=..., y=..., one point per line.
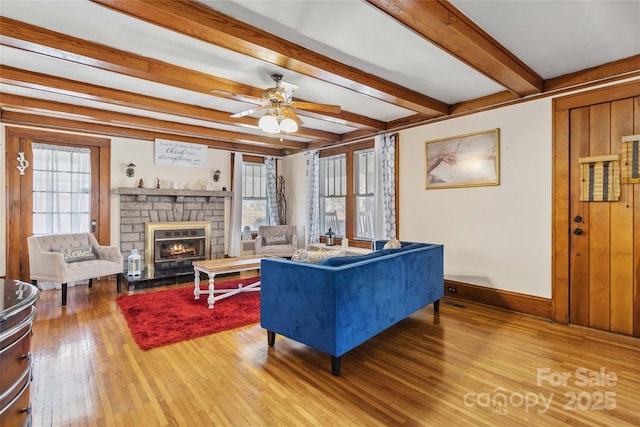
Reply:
x=196, y=281
x=211, y=298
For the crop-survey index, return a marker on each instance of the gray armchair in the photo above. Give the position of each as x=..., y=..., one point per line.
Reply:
x=278, y=240
x=64, y=258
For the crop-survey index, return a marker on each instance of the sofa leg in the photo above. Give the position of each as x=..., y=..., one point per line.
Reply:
x=436, y=306
x=64, y=294
x=119, y=282
x=35, y=283
x=90, y=283
x=271, y=338
x=336, y=362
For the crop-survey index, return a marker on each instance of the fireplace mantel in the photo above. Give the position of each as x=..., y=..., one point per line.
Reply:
x=143, y=192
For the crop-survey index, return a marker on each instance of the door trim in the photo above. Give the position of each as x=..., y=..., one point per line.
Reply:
x=560, y=188
x=16, y=232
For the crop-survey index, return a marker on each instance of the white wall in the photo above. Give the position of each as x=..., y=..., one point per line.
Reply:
x=498, y=237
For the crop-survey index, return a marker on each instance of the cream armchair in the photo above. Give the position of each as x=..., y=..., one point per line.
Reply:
x=64, y=258
x=278, y=240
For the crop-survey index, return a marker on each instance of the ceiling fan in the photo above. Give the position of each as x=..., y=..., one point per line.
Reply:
x=278, y=101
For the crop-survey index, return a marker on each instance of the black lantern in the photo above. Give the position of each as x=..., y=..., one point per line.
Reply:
x=330, y=238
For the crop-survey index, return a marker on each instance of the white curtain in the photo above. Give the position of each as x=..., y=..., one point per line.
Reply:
x=312, y=202
x=385, y=187
x=235, y=224
x=61, y=189
x=272, y=206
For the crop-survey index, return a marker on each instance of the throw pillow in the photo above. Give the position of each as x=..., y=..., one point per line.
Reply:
x=276, y=239
x=313, y=257
x=80, y=253
x=392, y=244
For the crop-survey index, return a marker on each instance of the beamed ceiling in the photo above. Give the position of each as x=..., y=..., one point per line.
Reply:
x=178, y=70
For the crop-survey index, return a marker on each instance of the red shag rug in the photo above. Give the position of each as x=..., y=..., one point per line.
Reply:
x=166, y=317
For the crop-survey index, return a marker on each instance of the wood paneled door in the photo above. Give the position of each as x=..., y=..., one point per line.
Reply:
x=596, y=243
x=20, y=191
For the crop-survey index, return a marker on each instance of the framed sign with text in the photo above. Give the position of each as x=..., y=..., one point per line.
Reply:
x=175, y=153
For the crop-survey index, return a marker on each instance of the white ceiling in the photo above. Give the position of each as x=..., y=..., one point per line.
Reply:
x=544, y=39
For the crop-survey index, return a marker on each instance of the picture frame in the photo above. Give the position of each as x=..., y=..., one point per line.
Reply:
x=470, y=160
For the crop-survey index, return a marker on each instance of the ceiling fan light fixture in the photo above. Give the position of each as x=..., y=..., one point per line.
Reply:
x=269, y=123
x=288, y=125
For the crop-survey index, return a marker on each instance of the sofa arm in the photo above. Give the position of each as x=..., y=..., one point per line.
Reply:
x=109, y=253
x=257, y=244
x=48, y=265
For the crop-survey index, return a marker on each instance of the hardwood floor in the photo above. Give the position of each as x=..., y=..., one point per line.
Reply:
x=451, y=368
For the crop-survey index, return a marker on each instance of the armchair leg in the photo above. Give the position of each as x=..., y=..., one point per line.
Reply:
x=119, y=282
x=35, y=283
x=90, y=283
x=64, y=294
x=271, y=338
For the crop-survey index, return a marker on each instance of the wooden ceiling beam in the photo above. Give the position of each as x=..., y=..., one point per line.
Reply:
x=446, y=27
x=61, y=86
x=30, y=38
x=68, y=125
x=203, y=23
x=94, y=115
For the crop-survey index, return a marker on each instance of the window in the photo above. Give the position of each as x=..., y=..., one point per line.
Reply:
x=254, y=195
x=333, y=194
x=364, y=189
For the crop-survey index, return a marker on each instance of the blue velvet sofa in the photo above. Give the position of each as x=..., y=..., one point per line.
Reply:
x=341, y=302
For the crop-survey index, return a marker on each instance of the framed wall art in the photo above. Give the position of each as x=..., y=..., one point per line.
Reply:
x=471, y=160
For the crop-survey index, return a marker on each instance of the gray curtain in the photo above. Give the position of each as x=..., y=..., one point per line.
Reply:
x=312, y=210
x=235, y=226
x=272, y=206
x=385, y=191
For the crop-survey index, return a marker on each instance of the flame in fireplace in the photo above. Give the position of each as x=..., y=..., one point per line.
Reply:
x=179, y=249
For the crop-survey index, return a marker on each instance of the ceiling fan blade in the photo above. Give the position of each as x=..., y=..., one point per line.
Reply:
x=323, y=108
x=249, y=111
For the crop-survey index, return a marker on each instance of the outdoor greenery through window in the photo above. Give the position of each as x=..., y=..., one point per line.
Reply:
x=254, y=195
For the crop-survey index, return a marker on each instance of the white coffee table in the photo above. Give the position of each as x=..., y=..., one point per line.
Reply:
x=224, y=266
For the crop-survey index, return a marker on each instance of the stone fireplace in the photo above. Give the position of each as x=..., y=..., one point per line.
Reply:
x=141, y=206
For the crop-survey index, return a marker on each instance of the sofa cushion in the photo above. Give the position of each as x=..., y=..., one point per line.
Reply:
x=338, y=261
x=275, y=239
x=76, y=254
